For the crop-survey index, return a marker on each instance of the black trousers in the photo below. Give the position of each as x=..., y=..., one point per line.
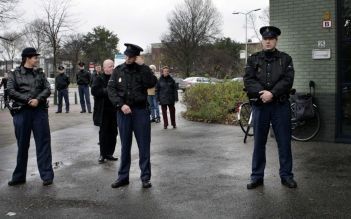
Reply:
x=108, y=133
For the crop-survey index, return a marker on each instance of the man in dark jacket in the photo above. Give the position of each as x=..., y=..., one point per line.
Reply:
x=29, y=90
x=167, y=94
x=83, y=81
x=4, y=84
x=61, y=85
x=269, y=77
x=104, y=114
x=127, y=90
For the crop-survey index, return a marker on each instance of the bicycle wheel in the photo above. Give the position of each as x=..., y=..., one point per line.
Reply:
x=305, y=130
x=244, y=117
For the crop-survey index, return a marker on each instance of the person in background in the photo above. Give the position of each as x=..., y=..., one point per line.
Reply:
x=104, y=114
x=83, y=81
x=167, y=94
x=4, y=84
x=153, y=105
x=61, y=85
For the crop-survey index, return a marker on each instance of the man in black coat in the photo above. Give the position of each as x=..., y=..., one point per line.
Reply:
x=61, y=85
x=83, y=81
x=104, y=114
x=269, y=77
x=127, y=90
x=167, y=95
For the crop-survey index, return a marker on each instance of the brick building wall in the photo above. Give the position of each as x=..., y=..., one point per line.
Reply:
x=301, y=25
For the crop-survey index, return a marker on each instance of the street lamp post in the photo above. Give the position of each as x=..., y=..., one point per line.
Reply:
x=247, y=13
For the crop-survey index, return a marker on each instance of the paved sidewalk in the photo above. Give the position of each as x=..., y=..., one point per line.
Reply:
x=199, y=171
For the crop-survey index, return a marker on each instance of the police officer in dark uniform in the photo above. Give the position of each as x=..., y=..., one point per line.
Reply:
x=83, y=81
x=269, y=77
x=4, y=83
x=29, y=90
x=127, y=90
x=61, y=85
x=104, y=114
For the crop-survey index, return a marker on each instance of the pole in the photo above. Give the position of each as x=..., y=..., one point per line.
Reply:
x=245, y=38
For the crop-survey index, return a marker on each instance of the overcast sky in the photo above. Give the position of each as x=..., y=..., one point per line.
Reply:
x=144, y=21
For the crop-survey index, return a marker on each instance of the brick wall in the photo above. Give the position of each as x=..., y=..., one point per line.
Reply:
x=301, y=25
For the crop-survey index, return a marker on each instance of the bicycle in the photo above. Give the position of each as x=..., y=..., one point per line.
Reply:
x=303, y=129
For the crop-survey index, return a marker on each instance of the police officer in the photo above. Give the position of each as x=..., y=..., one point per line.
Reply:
x=83, y=81
x=104, y=114
x=269, y=77
x=61, y=85
x=127, y=90
x=29, y=90
x=4, y=83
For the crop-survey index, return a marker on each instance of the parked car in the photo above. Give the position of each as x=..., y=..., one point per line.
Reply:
x=180, y=82
x=52, y=83
x=195, y=80
x=238, y=79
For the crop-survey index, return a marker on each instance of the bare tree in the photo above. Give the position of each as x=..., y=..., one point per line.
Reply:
x=11, y=47
x=35, y=34
x=73, y=51
x=191, y=25
x=56, y=22
x=254, y=22
x=7, y=10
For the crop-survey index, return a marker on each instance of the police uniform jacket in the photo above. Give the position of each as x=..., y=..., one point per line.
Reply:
x=128, y=85
x=272, y=71
x=61, y=81
x=83, y=77
x=26, y=84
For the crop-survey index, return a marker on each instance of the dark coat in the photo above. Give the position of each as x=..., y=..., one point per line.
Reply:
x=128, y=85
x=274, y=73
x=167, y=90
x=102, y=104
x=61, y=81
x=83, y=77
x=23, y=86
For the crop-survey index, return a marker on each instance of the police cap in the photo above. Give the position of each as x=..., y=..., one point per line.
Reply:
x=29, y=51
x=270, y=32
x=132, y=50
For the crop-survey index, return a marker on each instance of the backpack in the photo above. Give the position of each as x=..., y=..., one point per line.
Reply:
x=303, y=107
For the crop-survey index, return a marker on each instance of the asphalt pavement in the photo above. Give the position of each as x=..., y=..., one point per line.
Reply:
x=199, y=170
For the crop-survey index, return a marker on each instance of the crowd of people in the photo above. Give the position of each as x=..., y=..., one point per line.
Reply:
x=127, y=99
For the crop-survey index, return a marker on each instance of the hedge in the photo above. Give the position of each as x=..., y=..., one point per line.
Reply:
x=212, y=102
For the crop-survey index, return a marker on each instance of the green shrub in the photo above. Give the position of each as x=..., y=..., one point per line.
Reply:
x=212, y=102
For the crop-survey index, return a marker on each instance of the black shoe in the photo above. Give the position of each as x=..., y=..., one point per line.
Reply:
x=58, y=112
x=101, y=159
x=82, y=111
x=47, y=182
x=147, y=184
x=165, y=127
x=67, y=111
x=174, y=127
x=15, y=183
x=89, y=112
x=152, y=120
x=118, y=184
x=158, y=120
x=110, y=157
x=290, y=183
x=255, y=183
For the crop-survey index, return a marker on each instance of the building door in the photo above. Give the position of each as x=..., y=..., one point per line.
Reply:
x=344, y=71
